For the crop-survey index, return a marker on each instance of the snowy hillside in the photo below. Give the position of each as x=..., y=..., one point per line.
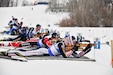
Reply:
x=38, y=15
x=31, y=15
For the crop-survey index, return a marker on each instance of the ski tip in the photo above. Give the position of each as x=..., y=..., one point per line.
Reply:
x=94, y=60
x=23, y=59
x=20, y=60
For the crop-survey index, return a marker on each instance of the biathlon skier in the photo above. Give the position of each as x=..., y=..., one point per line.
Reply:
x=64, y=48
x=21, y=37
x=45, y=42
x=14, y=26
x=54, y=50
x=37, y=31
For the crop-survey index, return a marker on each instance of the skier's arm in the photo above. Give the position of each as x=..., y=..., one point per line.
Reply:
x=62, y=51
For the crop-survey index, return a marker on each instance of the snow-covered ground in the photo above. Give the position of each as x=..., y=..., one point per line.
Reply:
x=31, y=15
x=50, y=67
x=37, y=15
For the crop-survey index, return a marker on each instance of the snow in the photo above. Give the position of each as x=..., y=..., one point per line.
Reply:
x=50, y=67
x=33, y=15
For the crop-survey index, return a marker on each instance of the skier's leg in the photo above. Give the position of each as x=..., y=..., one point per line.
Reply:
x=40, y=51
x=16, y=53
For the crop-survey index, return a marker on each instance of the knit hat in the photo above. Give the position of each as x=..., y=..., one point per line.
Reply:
x=38, y=25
